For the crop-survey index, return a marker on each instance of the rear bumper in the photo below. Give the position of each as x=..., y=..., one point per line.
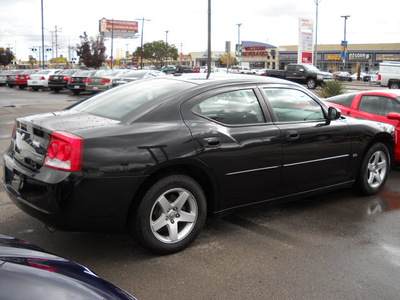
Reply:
x=70, y=201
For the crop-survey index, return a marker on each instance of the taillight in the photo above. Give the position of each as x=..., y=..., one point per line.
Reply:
x=71, y=80
x=42, y=78
x=105, y=80
x=379, y=77
x=87, y=80
x=65, y=78
x=64, y=152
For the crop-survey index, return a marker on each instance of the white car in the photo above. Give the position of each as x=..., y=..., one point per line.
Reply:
x=239, y=70
x=40, y=80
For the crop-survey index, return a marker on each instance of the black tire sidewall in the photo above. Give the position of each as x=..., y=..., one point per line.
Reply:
x=362, y=180
x=311, y=83
x=142, y=229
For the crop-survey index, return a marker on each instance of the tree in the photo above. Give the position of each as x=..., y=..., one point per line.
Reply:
x=157, y=51
x=232, y=60
x=32, y=61
x=6, y=56
x=92, y=51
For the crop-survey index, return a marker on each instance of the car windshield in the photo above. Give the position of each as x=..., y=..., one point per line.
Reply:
x=311, y=68
x=122, y=101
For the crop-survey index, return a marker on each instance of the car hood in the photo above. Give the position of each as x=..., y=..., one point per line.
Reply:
x=27, y=271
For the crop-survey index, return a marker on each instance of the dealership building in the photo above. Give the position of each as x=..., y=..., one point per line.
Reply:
x=258, y=55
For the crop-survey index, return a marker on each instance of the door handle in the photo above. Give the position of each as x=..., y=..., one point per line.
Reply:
x=212, y=141
x=292, y=135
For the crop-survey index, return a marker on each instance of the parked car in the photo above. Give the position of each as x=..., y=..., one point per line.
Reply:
x=40, y=80
x=302, y=73
x=21, y=80
x=170, y=69
x=135, y=75
x=3, y=75
x=30, y=272
x=381, y=106
x=183, y=69
x=371, y=76
x=10, y=77
x=389, y=74
x=158, y=156
x=77, y=82
x=342, y=76
x=239, y=70
x=260, y=72
x=196, y=69
x=102, y=80
x=59, y=81
x=355, y=76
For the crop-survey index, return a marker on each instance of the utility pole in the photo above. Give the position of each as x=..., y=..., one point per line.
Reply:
x=42, y=36
x=141, y=42
x=56, y=31
x=316, y=33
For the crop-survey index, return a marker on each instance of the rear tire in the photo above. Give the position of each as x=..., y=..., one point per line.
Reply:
x=394, y=85
x=374, y=169
x=170, y=215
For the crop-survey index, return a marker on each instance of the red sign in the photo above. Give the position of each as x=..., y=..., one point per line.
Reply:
x=108, y=25
x=306, y=57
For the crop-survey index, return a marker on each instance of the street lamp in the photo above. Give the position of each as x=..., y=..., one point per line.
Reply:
x=141, y=42
x=316, y=32
x=238, y=25
x=166, y=44
x=344, y=42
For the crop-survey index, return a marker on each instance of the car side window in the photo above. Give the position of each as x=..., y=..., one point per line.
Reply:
x=378, y=105
x=232, y=108
x=293, y=105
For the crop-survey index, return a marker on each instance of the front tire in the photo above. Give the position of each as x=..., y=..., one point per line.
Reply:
x=394, y=85
x=171, y=214
x=311, y=83
x=374, y=169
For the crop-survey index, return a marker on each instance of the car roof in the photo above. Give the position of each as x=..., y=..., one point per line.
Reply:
x=223, y=78
x=388, y=93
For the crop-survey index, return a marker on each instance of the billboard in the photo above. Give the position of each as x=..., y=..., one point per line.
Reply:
x=118, y=28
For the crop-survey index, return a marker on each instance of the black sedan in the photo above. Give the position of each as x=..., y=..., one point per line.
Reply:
x=158, y=156
x=29, y=272
x=59, y=81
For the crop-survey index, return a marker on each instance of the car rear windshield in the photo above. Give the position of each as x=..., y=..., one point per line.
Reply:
x=122, y=101
x=344, y=99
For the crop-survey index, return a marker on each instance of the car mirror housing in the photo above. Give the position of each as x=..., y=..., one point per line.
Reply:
x=393, y=116
x=334, y=113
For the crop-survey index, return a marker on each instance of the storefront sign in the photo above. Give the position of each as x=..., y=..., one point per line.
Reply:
x=332, y=57
x=360, y=56
x=255, y=51
x=387, y=56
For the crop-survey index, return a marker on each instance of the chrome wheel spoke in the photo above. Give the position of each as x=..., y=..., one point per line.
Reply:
x=159, y=223
x=187, y=217
x=173, y=231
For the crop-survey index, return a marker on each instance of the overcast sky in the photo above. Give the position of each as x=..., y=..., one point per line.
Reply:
x=269, y=21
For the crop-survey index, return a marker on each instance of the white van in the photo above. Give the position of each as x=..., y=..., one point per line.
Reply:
x=389, y=74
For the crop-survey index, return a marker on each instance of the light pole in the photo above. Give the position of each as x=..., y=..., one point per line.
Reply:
x=345, y=44
x=141, y=42
x=316, y=33
x=42, y=36
x=238, y=25
x=166, y=44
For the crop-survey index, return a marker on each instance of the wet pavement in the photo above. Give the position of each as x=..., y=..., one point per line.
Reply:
x=335, y=246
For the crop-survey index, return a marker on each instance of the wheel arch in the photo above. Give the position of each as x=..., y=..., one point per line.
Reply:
x=387, y=140
x=203, y=177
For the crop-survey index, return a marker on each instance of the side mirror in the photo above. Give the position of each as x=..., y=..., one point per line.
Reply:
x=334, y=113
x=393, y=116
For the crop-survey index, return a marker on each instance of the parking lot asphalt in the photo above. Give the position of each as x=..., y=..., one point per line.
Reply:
x=335, y=246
